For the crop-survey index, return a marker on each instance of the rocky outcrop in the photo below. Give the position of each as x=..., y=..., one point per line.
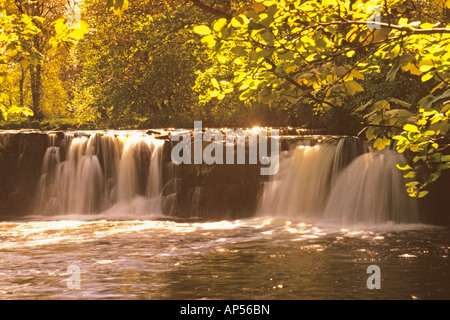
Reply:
x=435, y=207
x=211, y=191
x=21, y=155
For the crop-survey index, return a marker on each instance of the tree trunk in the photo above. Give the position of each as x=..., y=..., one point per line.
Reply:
x=21, y=84
x=36, y=91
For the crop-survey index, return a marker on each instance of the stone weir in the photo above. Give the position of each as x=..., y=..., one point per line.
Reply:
x=161, y=172
x=30, y=185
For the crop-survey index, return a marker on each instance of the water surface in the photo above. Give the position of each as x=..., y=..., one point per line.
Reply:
x=258, y=258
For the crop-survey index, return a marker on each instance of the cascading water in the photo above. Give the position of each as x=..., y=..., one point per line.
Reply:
x=371, y=190
x=340, y=183
x=336, y=181
x=99, y=172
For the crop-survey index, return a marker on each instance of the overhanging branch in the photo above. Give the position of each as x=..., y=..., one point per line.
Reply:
x=406, y=29
x=212, y=10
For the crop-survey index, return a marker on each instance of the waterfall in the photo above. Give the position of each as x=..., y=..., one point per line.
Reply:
x=341, y=182
x=371, y=190
x=94, y=172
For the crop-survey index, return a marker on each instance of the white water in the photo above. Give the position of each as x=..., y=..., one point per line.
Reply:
x=120, y=173
x=328, y=183
x=101, y=172
x=371, y=190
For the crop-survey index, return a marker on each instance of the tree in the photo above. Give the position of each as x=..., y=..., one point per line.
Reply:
x=32, y=30
x=146, y=69
x=16, y=48
x=322, y=52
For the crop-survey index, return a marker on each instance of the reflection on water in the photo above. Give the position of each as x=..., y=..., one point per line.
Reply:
x=259, y=258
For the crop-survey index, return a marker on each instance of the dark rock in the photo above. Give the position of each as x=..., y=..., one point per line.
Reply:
x=21, y=156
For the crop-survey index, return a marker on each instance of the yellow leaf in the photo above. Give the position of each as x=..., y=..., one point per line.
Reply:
x=60, y=26
x=403, y=22
x=427, y=77
x=352, y=34
x=24, y=63
x=258, y=7
x=39, y=19
x=209, y=40
x=414, y=70
x=411, y=67
x=426, y=65
x=81, y=29
x=202, y=30
x=220, y=24
x=380, y=143
x=9, y=79
x=426, y=25
x=221, y=59
x=215, y=84
x=119, y=11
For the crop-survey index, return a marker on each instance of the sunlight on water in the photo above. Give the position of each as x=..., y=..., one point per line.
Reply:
x=258, y=258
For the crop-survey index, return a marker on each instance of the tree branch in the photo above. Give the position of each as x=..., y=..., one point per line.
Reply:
x=299, y=86
x=406, y=29
x=212, y=10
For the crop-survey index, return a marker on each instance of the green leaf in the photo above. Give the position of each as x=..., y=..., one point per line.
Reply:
x=410, y=175
x=245, y=95
x=352, y=87
x=423, y=193
x=239, y=21
x=268, y=37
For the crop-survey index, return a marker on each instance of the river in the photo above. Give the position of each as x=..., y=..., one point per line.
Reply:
x=154, y=257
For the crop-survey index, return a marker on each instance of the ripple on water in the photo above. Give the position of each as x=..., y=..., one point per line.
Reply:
x=259, y=258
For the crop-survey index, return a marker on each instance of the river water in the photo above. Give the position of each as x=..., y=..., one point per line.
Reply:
x=332, y=213
x=153, y=257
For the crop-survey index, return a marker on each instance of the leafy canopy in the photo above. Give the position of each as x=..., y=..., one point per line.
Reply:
x=25, y=31
x=321, y=53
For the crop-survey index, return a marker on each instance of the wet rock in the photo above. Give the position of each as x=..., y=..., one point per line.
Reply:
x=21, y=156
